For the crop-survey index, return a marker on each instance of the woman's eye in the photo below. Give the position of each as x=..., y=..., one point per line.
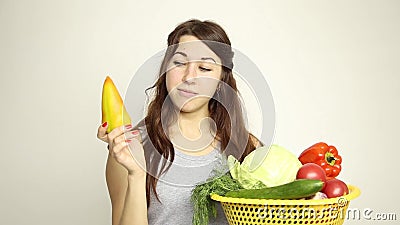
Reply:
x=178, y=63
x=204, y=69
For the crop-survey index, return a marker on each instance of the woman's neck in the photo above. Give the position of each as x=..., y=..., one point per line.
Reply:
x=191, y=123
x=193, y=132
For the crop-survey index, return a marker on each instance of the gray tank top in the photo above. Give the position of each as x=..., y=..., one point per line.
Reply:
x=175, y=186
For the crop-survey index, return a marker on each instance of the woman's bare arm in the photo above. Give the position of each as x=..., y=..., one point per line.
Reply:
x=125, y=177
x=117, y=184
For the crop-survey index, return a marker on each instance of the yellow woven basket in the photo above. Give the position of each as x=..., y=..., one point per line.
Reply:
x=241, y=211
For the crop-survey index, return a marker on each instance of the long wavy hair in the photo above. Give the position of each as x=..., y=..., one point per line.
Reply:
x=234, y=138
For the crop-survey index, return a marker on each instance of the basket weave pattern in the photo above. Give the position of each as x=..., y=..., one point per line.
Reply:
x=240, y=211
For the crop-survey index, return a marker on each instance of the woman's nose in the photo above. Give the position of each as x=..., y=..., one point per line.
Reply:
x=190, y=72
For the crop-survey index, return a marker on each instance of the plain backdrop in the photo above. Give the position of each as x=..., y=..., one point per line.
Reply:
x=332, y=66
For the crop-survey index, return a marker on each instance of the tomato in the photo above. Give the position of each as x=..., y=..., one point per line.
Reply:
x=311, y=171
x=335, y=188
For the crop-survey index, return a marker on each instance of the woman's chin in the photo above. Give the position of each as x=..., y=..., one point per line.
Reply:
x=190, y=107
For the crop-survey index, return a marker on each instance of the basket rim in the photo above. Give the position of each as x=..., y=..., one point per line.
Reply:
x=354, y=193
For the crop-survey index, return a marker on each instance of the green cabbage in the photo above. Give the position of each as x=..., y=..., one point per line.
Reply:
x=265, y=167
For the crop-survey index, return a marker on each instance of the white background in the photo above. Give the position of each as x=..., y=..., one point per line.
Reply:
x=332, y=66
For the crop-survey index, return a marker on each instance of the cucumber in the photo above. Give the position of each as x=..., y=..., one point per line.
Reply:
x=301, y=188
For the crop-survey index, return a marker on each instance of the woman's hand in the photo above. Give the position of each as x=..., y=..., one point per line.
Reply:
x=125, y=147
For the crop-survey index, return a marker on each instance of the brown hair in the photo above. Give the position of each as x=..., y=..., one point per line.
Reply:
x=159, y=149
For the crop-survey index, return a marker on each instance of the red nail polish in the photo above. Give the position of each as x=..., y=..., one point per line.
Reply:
x=128, y=141
x=129, y=126
x=104, y=124
x=135, y=132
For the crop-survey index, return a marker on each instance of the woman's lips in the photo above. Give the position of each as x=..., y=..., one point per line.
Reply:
x=186, y=93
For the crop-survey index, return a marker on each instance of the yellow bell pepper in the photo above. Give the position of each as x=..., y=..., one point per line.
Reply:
x=112, y=106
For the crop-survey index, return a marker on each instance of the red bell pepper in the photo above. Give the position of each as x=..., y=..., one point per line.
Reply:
x=325, y=156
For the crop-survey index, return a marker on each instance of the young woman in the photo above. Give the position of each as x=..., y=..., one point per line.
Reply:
x=153, y=166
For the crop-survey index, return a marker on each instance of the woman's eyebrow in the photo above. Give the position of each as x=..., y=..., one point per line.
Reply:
x=208, y=58
x=204, y=58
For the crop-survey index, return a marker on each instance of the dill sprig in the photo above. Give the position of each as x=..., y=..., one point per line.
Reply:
x=203, y=205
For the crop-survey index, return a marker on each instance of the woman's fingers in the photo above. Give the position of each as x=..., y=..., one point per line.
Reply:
x=137, y=151
x=131, y=134
x=126, y=139
x=102, y=132
x=118, y=132
x=124, y=146
x=129, y=154
x=119, y=148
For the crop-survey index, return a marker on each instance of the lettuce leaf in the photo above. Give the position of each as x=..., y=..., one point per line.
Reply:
x=265, y=167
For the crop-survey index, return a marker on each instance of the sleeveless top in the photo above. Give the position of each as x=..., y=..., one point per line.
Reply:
x=174, y=188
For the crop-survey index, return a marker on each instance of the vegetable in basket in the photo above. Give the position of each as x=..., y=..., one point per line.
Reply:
x=335, y=188
x=311, y=171
x=265, y=167
x=203, y=205
x=325, y=156
x=297, y=189
x=318, y=195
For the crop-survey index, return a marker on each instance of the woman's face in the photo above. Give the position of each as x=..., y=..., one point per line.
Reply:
x=194, y=72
